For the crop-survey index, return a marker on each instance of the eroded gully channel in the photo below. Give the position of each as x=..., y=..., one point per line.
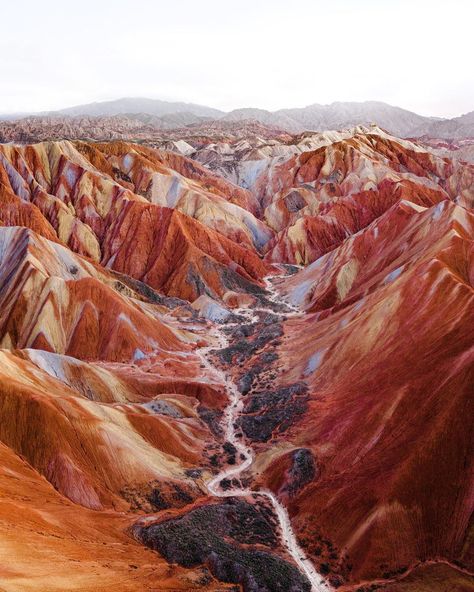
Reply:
x=245, y=455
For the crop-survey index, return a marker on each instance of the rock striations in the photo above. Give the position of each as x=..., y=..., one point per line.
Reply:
x=248, y=370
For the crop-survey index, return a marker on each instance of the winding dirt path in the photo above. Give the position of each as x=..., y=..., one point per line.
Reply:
x=245, y=454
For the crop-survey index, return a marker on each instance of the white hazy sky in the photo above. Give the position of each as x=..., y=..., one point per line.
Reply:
x=417, y=54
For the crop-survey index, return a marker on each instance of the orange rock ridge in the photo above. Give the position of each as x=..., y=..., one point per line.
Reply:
x=112, y=254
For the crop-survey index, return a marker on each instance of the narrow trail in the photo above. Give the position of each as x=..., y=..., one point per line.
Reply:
x=245, y=455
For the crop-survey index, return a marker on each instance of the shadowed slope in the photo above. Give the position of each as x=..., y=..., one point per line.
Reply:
x=389, y=361
x=355, y=394
x=82, y=197
x=179, y=256
x=319, y=198
x=52, y=299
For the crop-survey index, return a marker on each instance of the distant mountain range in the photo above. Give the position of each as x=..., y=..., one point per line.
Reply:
x=168, y=115
x=139, y=105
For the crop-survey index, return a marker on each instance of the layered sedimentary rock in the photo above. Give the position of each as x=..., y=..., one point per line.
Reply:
x=316, y=200
x=54, y=300
x=95, y=430
x=386, y=355
x=94, y=452
x=105, y=201
x=142, y=292
x=50, y=543
x=314, y=190
x=457, y=150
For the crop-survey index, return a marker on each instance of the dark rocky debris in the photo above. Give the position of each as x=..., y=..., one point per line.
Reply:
x=213, y=418
x=249, y=345
x=273, y=411
x=303, y=470
x=125, y=282
x=251, y=376
x=216, y=535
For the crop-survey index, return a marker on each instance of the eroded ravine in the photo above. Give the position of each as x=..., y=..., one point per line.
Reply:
x=245, y=454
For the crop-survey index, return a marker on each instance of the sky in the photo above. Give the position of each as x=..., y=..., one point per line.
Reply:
x=270, y=54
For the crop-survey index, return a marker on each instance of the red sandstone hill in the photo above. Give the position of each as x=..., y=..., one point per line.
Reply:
x=358, y=408
x=316, y=200
x=56, y=301
x=89, y=428
x=387, y=354
x=316, y=190
x=51, y=544
x=103, y=201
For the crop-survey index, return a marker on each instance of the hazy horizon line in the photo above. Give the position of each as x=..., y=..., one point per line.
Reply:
x=222, y=109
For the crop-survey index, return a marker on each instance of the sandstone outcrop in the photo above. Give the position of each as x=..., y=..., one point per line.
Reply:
x=283, y=322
